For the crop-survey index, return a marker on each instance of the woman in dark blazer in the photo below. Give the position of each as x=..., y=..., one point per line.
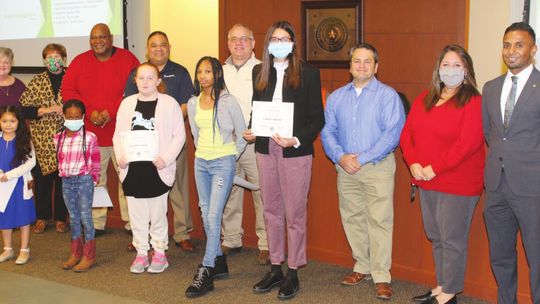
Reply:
x=285, y=163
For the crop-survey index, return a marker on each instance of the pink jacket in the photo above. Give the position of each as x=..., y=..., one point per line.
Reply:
x=169, y=124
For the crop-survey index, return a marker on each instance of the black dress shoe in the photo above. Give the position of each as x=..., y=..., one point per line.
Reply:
x=424, y=298
x=269, y=281
x=288, y=288
x=453, y=300
x=99, y=232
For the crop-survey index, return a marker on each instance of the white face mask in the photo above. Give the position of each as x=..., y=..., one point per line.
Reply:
x=280, y=50
x=74, y=124
x=451, y=77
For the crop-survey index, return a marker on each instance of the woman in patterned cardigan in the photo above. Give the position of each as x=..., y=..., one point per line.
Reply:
x=43, y=106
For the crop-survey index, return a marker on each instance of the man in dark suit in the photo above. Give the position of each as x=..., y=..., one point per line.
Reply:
x=511, y=119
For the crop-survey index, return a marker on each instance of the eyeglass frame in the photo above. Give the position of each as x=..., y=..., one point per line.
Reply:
x=241, y=39
x=282, y=39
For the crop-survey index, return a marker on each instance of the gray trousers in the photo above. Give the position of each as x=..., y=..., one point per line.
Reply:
x=505, y=213
x=447, y=219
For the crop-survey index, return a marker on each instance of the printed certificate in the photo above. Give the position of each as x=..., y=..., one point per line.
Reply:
x=140, y=145
x=269, y=118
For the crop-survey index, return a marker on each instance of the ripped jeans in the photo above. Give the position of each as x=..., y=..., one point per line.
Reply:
x=214, y=179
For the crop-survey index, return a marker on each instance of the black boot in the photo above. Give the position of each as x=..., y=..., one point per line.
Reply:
x=221, y=270
x=270, y=280
x=290, y=285
x=202, y=282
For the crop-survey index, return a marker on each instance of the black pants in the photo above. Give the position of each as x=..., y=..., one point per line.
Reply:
x=44, y=185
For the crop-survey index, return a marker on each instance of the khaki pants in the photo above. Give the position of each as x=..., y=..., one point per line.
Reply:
x=231, y=226
x=179, y=197
x=100, y=214
x=367, y=215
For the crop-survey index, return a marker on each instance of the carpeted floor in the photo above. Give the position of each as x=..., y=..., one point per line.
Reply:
x=319, y=282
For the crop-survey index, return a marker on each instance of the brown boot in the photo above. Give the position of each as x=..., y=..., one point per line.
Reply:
x=89, y=257
x=76, y=254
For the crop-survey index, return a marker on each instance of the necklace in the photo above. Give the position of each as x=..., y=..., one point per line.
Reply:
x=5, y=91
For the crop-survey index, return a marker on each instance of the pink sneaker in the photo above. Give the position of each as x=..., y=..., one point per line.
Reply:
x=159, y=263
x=139, y=264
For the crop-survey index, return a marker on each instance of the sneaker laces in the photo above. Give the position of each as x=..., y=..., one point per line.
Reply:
x=198, y=279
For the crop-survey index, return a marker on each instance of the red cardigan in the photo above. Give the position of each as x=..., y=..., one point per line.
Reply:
x=99, y=85
x=451, y=140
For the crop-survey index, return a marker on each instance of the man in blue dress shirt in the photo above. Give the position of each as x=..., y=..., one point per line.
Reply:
x=363, y=123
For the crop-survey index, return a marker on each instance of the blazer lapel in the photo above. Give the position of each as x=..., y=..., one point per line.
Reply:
x=497, y=104
x=533, y=83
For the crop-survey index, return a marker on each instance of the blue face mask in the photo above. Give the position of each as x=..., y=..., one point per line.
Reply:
x=73, y=124
x=280, y=50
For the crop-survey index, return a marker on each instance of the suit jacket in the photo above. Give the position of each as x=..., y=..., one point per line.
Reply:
x=308, y=119
x=516, y=148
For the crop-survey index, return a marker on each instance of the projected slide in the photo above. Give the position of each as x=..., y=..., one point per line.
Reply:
x=26, y=26
x=56, y=18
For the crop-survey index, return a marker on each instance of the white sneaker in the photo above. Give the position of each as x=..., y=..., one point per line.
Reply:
x=24, y=257
x=7, y=254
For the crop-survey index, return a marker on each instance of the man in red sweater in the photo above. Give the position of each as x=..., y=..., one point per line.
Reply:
x=97, y=77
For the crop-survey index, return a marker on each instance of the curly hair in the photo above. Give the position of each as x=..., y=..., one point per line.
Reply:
x=23, y=146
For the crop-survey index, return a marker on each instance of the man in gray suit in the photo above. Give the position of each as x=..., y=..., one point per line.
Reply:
x=511, y=119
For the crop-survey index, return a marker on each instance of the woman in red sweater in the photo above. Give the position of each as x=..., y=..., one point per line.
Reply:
x=443, y=144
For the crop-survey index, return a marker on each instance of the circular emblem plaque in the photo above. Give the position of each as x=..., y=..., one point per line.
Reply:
x=331, y=34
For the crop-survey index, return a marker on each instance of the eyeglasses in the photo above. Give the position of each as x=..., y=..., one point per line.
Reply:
x=282, y=39
x=242, y=39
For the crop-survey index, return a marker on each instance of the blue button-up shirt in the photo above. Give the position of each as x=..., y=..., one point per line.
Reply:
x=368, y=124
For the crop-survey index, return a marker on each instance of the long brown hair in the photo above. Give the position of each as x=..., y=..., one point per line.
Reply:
x=468, y=87
x=292, y=77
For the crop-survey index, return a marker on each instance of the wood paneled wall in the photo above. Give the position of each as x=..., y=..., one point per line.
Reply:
x=409, y=36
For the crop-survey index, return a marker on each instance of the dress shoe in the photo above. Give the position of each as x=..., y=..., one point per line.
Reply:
x=434, y=300
x=355, y=278
x=264, y=257
x=427, y=297
x=288, y=289
x=7, y=254
x=99, y=232
x=269, y=281
x=228, y=250
x=383, y=291
x=39, y=226
x=185, y=245
x=130, y=248
x=61, y=227
x=24, y=257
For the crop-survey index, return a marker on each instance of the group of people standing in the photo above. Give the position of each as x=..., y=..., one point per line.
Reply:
x=78, y=120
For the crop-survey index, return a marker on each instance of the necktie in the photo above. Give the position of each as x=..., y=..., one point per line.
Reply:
x=510, y=102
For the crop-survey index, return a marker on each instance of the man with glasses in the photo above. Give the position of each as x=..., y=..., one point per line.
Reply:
x=238, y=78
x=97, y=77
x=179, y=85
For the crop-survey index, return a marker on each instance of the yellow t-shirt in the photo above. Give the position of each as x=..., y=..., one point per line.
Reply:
x=210, y=145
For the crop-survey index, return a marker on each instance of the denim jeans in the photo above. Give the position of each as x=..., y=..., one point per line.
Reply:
x=214, y=179
x=78, y=195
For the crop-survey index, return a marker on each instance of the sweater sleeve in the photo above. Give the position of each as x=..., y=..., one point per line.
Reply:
x=471, y=138
x=407, y=137
x=23, y=168
x=315, y=115
x=178, y=133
